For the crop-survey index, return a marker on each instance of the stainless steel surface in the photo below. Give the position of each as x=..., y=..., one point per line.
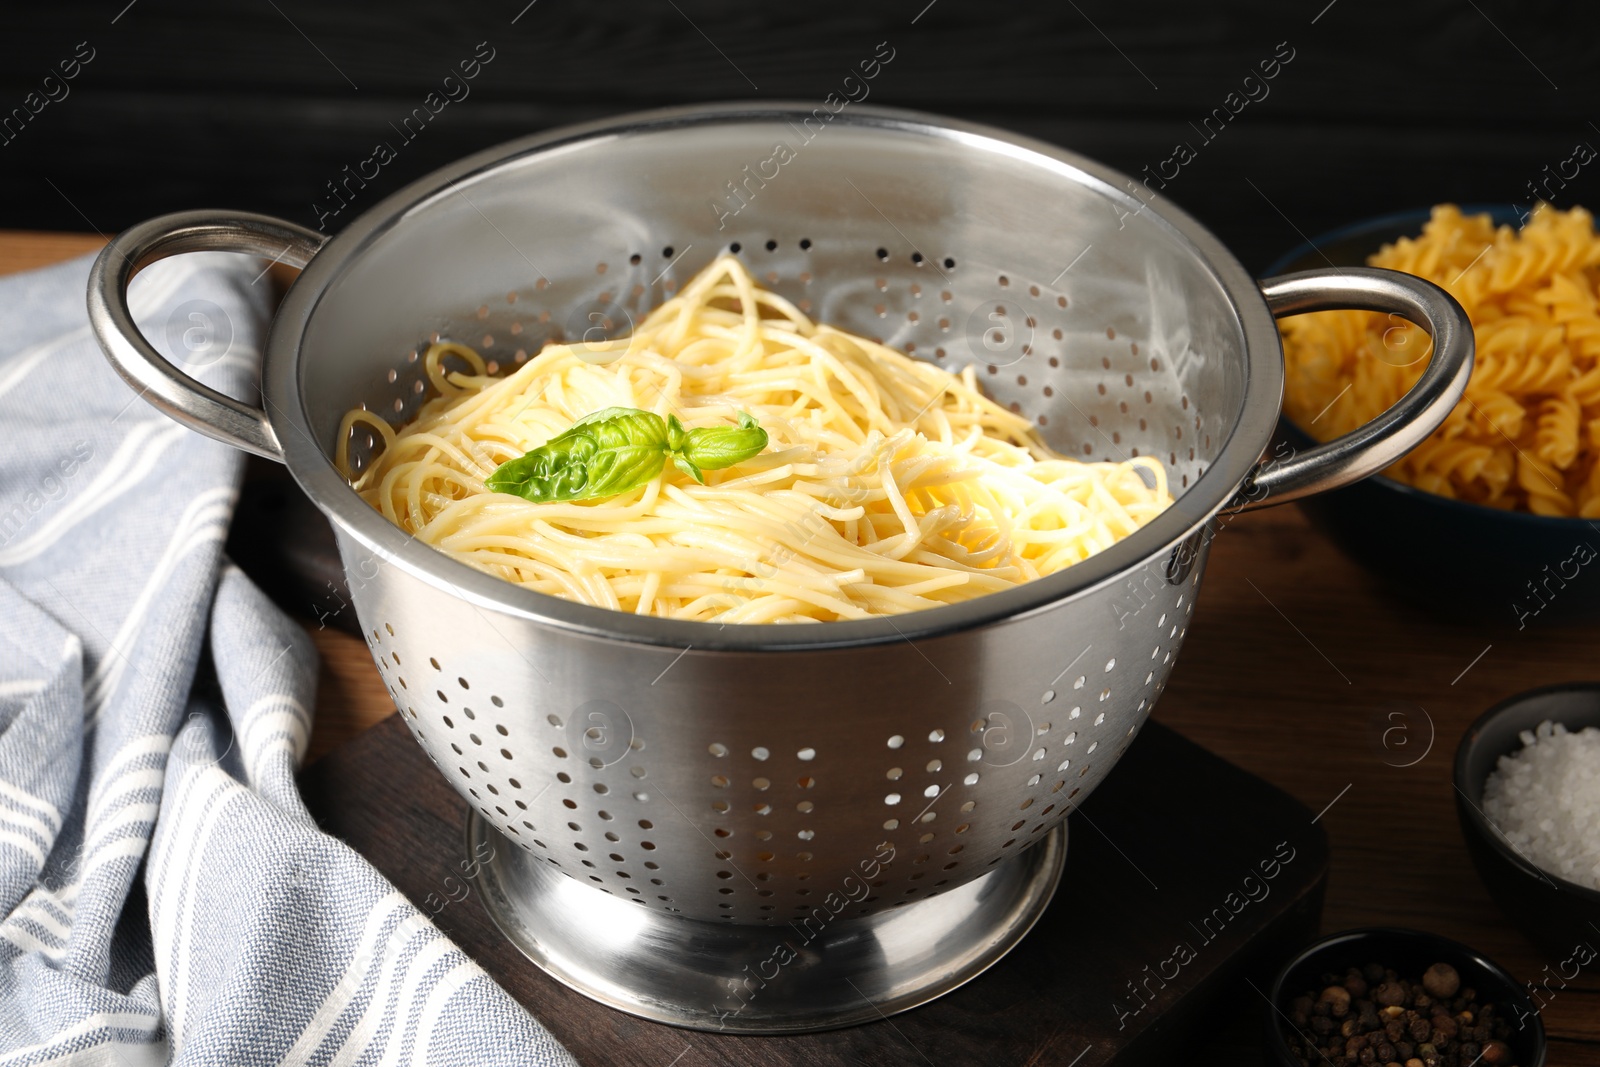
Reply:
x=822, y=968
x=1383, y=441
x=190, y=402
x=730, y=774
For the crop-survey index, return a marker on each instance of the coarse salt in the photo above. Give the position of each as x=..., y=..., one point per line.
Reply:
x=1545, y=799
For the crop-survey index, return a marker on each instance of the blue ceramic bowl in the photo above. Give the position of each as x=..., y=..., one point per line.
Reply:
x=1495, y=566
x=1409, y=952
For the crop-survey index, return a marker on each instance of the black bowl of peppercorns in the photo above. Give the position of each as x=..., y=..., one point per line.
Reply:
x=1382, y=997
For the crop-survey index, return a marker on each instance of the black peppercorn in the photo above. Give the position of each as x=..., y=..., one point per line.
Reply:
x=1389, y=994
x=1496, y=1052
x=1441, y=980
x=1337, y=998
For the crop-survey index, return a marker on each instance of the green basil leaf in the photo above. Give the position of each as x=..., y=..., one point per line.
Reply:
x=677, y=436
x=615, y=450
x=715, y=447
x=688, y=468
x=609, y=452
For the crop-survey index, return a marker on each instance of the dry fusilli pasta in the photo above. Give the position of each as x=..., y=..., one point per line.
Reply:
x=1527, y=433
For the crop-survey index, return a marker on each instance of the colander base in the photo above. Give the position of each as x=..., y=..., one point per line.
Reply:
x=816, y=971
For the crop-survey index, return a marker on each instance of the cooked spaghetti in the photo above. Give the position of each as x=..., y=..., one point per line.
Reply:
x=888, y=485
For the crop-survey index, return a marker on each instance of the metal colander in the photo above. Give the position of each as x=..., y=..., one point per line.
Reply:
x=663, y=801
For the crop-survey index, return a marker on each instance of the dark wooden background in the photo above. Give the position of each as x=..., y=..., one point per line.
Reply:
x=258, y=103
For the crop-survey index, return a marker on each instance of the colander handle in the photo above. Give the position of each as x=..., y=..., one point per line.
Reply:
x=166, y=387
x=1384, y=440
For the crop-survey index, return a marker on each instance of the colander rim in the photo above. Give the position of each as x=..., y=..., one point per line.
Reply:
x=314, y=471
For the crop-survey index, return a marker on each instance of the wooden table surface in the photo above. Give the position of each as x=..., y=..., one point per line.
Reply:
x=1293, y=663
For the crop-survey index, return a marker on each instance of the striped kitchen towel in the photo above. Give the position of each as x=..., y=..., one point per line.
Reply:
x=166, y=897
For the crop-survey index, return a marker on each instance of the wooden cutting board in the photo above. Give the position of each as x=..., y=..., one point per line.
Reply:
x=1187, y=881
